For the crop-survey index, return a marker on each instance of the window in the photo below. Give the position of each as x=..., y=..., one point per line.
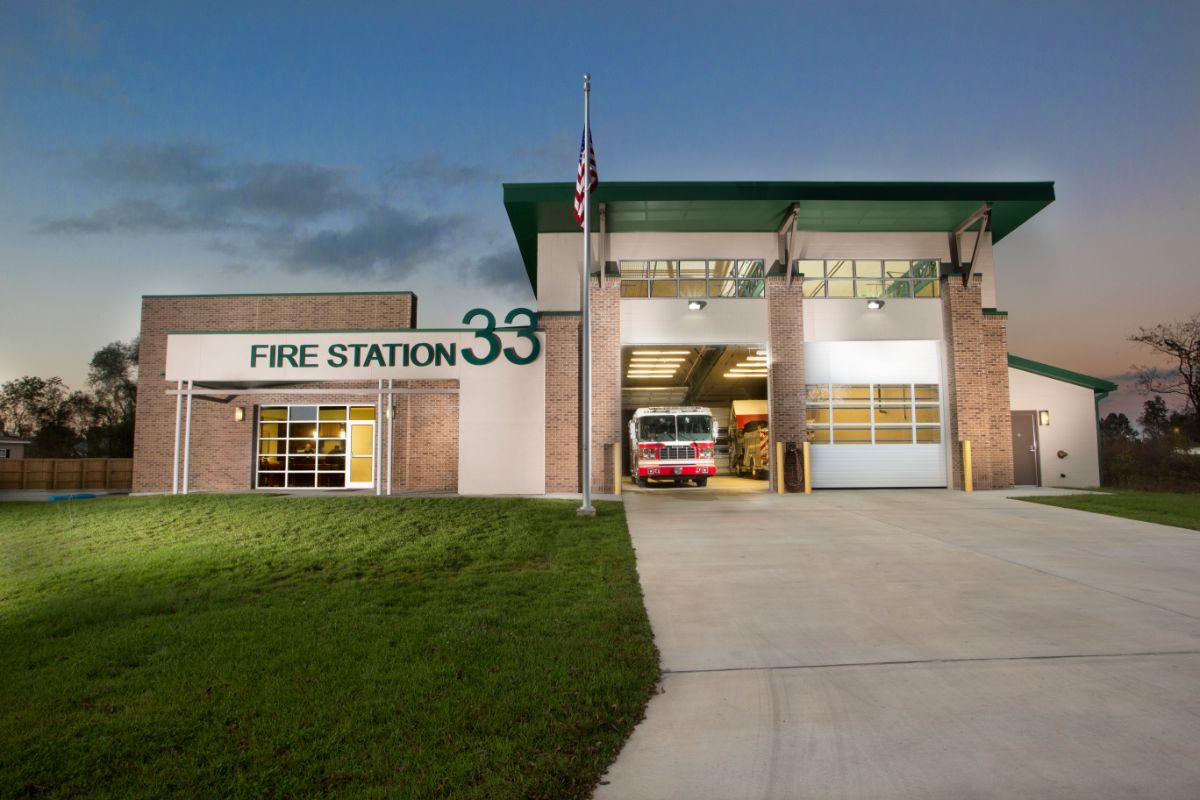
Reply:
x=304, y=447
x=671, y=427
x=4, y=452
x=870, y=278
x=874, y=413
x=694, y=278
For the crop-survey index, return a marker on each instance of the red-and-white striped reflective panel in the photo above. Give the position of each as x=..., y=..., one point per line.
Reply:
x=589, y=170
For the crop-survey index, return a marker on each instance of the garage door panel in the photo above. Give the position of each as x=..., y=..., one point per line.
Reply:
x=880, y=404
x=884, y=466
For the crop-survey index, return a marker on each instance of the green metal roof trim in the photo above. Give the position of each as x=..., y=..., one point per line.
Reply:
x=1097, y=385
x=760, y=206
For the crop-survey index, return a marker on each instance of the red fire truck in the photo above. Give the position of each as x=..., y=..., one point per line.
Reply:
x=672, y=443
x=749, y=438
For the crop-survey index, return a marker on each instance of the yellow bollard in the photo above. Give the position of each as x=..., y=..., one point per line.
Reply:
x=807, y=471
x=779, y=487
x=616, y=457
x=966, y=457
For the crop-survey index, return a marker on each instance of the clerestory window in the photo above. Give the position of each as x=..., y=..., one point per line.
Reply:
x=732, y=278
x=848, y=278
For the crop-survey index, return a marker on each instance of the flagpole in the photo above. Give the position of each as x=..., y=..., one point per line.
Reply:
x=585, y=400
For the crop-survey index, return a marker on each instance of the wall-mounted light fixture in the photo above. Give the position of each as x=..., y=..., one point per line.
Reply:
x=239, y=414
x=1043, y=417
x=697, y=305
x=874, y=304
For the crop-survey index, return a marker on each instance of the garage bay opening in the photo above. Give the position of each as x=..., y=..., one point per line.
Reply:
x=695, y=416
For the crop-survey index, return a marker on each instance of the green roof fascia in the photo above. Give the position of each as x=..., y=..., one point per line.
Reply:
x=1098, y=385
x=762, y=206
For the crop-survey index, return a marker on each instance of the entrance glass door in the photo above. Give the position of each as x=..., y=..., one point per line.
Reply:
x=360, y=469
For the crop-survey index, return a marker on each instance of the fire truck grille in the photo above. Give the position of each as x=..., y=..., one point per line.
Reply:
x=680, y=451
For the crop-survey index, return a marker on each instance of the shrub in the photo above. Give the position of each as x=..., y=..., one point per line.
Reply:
x=1152, y=466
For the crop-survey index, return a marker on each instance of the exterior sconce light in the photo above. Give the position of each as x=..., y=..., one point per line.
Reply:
x=697, y=305
x=874, y=304
x=1043, y=417
x=239, y=414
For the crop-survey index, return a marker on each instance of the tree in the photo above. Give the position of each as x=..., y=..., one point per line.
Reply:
x=1117, y=428
x=112, y=378
x=28, y=403
x=1155, y=420
x=64, y=424
x=1180, y=342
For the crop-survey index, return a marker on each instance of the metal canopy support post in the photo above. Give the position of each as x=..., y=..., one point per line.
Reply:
x=187, y=438
x=377, y=444
x=175, y=453
x=786, y=229
x=983, y=226
x=391, y=423
x=982, y=215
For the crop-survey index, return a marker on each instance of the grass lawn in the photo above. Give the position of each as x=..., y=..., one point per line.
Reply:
x=252, y=645
x=1166, y=508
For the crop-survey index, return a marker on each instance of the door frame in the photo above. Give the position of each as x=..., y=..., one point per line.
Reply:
x=350, y=425
x=1037, y=448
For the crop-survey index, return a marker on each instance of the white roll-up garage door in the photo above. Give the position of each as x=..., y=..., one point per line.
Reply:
x=876, y=414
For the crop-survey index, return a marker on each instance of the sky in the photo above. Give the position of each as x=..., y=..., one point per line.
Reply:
x=171, y=148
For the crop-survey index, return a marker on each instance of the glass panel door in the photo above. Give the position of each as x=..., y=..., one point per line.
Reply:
x=361, y=469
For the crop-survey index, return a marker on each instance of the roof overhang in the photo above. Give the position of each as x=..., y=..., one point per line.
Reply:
x=763, y=206
x=1097, y=385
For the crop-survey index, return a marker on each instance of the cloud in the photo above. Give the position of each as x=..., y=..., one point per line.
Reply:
x=292, y=191
x=385, y=242
x=432, y=168
x=189, y=186
x=503, y=270
x=125, y=216
x=180, y=165
x=301, y=216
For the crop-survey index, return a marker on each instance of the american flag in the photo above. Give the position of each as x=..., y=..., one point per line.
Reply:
x=589, y=170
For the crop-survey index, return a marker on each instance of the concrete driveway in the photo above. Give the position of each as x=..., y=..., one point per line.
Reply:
x=913, y=644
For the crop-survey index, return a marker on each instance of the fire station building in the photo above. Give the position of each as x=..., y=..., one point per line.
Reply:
x=863, y=314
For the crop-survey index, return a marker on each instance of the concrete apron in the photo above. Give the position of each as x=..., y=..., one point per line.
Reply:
x=916, y=644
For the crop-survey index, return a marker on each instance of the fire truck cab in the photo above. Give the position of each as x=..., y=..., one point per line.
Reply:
x=672, y=443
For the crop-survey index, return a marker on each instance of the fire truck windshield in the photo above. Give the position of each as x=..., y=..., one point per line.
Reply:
x=669, y=428
x=694, y=426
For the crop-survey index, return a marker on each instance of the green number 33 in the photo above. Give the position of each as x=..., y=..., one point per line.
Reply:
x=528, y=331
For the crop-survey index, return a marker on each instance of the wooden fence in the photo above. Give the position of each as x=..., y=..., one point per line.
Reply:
x=56, y=474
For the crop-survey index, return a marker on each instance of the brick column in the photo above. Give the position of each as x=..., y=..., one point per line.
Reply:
x=562, y=399
x=606, y=380
x=976, y=386
x=785, y=329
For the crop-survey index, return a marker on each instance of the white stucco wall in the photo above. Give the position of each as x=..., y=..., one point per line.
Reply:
x=1072, y=427
x=647, y=320
x=835, y=319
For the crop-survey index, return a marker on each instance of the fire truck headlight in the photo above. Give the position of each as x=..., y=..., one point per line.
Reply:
x=648, y=452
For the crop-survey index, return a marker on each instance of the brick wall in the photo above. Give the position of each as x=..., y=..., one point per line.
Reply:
x=606, y=381
x=562, y=400
x=222, y=449
x=976, y=386
x=785, y=348
x=425, y=445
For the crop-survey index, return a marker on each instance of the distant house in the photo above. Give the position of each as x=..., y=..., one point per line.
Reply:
x=11, y=447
